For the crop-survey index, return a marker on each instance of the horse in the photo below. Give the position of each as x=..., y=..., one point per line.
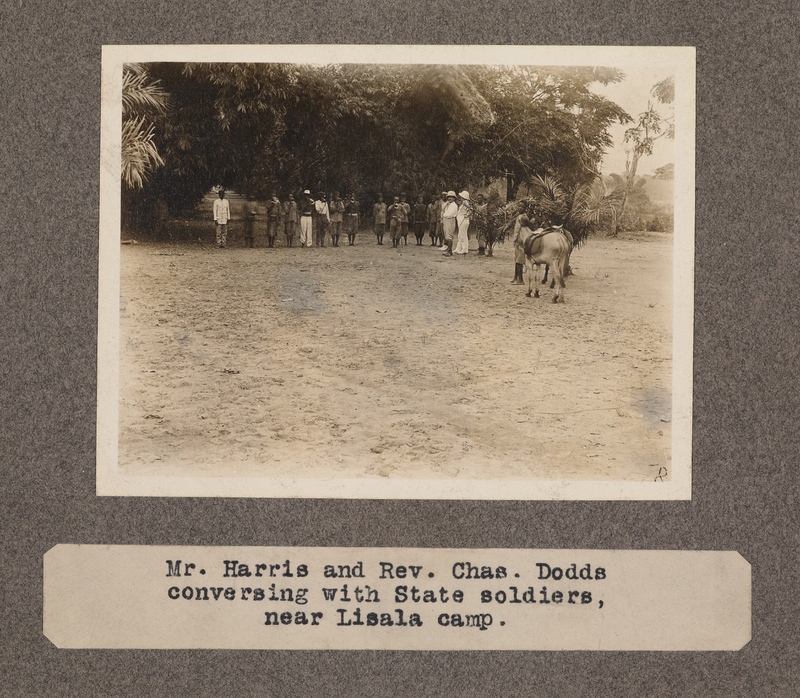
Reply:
x=552, y=247
x=567, y=269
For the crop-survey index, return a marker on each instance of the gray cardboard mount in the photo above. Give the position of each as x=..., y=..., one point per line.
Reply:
x=745, y=491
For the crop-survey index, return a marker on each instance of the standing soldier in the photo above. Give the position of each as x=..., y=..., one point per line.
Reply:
x=420, y=219
x=274, y=212
x=289, y=219
x=379, y=213
x=250, y=216
x=222, y=214
x=306, y=213
x=351, y=219
x=322, y=219
x=398, y=217
x=439, y=221
x=434, y=213
x=336, y=212
x=404, y=224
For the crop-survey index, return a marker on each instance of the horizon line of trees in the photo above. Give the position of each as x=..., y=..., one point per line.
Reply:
x=363, y=128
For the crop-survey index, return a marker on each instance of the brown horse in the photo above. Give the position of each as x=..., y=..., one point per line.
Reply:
x=551, y=247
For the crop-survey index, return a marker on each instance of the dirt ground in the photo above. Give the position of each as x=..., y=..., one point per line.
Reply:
x=370, y=361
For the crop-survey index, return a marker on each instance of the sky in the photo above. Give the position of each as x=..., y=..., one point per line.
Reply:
x=632, y=94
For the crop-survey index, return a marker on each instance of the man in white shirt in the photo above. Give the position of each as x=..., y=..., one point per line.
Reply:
x=222, y=214
x=449, y=213
x=322, y=219
x=306, y=218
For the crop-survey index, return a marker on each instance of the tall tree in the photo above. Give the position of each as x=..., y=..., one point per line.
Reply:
x=639, y=139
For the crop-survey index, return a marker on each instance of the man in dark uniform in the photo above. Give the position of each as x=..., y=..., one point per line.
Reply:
x=337, y=213
x=289, y=219
x=434, y=212
x=398, y=217
x=404, y=224
x=439, y=224
x=351, y=219
x=420, y=219
x=274, y=212
x=250, y=216
x=379, y=213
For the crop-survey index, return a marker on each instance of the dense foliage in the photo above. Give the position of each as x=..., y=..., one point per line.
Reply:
x=369, y=128
x=548, y=201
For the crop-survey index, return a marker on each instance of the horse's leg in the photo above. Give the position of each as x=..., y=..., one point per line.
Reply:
x=529, y=270
x=536, y=281
x=558, y=279
x=567, y=267
x=546, y=270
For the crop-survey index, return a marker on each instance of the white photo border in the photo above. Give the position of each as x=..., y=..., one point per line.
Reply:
x=111, y=482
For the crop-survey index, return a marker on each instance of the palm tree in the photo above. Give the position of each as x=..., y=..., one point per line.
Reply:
x=592, y=204
x=580, y=210
x=142, y=100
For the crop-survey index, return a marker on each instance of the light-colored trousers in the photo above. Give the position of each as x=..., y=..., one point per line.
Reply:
x=305, y=231
x=222, y=233
x=448, y=228
x=462, y=246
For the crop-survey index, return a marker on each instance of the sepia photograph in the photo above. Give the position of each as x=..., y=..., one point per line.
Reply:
x=396, y=272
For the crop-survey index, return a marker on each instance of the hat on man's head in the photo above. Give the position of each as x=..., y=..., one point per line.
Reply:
x=451, y=193
x=464, y=195
x=306, y=191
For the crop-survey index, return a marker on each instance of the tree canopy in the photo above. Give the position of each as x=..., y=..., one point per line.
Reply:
x=258, y=127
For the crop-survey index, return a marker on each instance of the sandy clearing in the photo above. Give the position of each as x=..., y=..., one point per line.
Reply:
x=368, y=361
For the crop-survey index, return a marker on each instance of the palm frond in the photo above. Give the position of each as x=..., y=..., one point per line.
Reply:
x=142, y=98
x=139, y=93
x=139, y=153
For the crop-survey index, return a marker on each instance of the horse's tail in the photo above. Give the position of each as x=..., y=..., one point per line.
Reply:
x=562, y=261
x=571, y=241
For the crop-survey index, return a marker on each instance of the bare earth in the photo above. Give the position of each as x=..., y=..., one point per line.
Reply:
x=372, y=362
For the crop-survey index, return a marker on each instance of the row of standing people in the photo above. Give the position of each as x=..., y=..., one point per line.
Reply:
x=442, y=219
x=312, y=218
x=445, y=219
